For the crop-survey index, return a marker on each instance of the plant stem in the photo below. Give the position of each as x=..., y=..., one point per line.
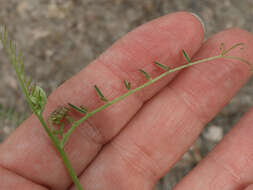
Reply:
x=21, y=83
x=59, y=143
x=56, y=142
x=151, y=81
x=63, y=154
x=70, y=169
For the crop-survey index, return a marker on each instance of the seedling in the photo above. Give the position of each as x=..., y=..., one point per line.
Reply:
x=54, y=125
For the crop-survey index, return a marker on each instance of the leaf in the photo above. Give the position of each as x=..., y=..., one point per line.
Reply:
x=100, y=93
x=21, y=69
x=222, y=48
x=57, y=115
x=186, y=56
x=164, y=67
x=32, y=89
x=79, y=109
x=13, y=48
x=4, y=36
x=34, y=94
x=20, y=58
x=233, y=47
x=38, y=98
x=145, y=74
x=28, y=83
x=84, y=109
x=127, y=85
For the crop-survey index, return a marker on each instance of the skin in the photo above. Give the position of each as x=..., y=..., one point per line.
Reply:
x=250, y=187
x=132, y=144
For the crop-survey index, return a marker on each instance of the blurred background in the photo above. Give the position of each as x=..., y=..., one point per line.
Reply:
x=59, y=37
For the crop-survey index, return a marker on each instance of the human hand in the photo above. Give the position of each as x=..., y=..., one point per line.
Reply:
x=133, y=143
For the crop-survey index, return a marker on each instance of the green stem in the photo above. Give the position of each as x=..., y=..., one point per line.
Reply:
x=63, y=154
x=59, y=143
x=70, y=169
x=22, y=84
x=54, y=139
x=151, y=81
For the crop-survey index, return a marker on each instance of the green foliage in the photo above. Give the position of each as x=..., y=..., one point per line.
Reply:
x=100, y=94
x=164, y=67
x=145, y=74
x=57, y=116
x=38, y=98
x=35, y=95
x=80, y=109
x=224, y=51
x=187, y=58
x=127, y=85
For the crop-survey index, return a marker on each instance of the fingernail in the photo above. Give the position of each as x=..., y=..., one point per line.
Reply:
x=200, y=20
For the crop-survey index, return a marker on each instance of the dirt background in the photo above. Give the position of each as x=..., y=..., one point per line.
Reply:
x=59, y=37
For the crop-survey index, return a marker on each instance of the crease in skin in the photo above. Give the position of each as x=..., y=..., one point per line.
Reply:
x=94, y=135
x=250, y=187
x=42, y=186
x=147, y=170
x=235, y=177
x=190, y=99
x=186, y=102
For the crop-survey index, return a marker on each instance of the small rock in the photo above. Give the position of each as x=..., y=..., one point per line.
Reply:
x=49, y=52
x=214, y=133
x=24, y=7
x=39, y=33
x=59, y=11
x=7, y=130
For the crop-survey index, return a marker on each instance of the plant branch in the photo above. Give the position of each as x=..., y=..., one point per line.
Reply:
x=63, y=154
x=151, y=81
x=36, y=97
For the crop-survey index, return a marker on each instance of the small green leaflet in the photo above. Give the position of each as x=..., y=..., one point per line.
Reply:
x=164, y=67
x=38, y=98
x=187, y=58
x=127, y=85
x=100, y=94
x=145, y=74
x=80, y=109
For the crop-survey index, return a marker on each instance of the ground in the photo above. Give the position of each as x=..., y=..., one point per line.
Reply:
x=59, y=37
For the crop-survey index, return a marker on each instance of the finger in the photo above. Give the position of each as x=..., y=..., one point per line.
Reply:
x=230, y=165
x=250, y=187
x=29, y=151
x=170, y=122
x=12, y=181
